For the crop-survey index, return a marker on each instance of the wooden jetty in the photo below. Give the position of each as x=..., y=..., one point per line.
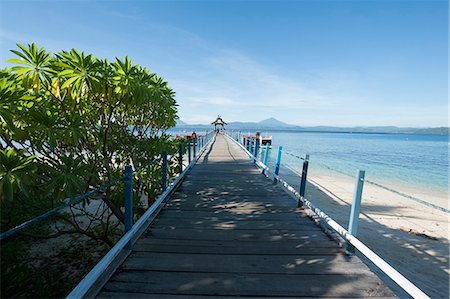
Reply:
x=229, y=231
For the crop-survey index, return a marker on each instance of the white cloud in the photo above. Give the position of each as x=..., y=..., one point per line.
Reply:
x=199, y=119
x=231, y=83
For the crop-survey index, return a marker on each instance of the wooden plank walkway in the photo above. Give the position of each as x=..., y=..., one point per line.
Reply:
x=228, y=231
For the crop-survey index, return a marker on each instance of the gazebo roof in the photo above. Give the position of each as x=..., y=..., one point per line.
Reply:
x=219, y=121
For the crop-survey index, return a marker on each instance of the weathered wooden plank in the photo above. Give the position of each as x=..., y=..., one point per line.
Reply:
x=232, y=191
x=247, y=284
x=225, y=204
x=264, y=264
x=280, y=201
x=238, y=236
x=226, y=196
x=247, y=209
x=301, y=224
x=180, y=245
x=256, y=226
x=294, y=244
x=256, y=188
x=174, y=213
x=321, y=248
x=229, y=180
x=177, y=296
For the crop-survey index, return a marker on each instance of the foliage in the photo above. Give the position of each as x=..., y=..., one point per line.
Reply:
x=70, y=122
x=74, y=121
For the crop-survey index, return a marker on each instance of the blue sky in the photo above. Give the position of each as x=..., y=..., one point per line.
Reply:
x=340, y=63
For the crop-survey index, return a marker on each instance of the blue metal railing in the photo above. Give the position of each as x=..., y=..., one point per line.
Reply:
x=247, y=143
x=88, y=284
x=416, y=199
x=349, y=236
x=128, y=191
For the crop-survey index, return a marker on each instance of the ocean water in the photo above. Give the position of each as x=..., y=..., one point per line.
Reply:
x=419, y=161
x=394, y=160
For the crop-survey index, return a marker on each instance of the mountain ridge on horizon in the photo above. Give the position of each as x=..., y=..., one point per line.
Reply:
x=273, y=123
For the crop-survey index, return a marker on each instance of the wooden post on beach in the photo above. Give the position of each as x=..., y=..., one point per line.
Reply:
x=356, y=207
x=277, y=163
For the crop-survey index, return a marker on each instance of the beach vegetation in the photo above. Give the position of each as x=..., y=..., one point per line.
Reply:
x=70, y=122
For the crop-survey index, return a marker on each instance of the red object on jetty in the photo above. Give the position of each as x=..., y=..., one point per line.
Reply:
x=191, y=136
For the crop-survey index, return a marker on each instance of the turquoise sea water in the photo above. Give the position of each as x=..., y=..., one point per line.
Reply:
x=418, y=161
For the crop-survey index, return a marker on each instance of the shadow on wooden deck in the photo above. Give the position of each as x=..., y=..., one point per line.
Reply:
x=229, y=231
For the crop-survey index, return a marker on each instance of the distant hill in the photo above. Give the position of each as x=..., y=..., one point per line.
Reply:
x=266, y=123
x=275, y=124
x=181, y=123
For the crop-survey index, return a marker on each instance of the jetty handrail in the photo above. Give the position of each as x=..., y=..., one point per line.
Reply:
x=72, y=201
x=390, y=271
x=85, y=286
x=69, y=202
x=293, y=155
x=400, y=193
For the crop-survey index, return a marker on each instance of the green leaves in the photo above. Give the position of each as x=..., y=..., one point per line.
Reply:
x=79, y=70
x=70, y=122
x=69, y=177
x=15, y=169
x=34, y=65
x=78, y=120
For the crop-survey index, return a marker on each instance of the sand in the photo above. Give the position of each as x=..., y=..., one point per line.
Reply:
x=410, y=236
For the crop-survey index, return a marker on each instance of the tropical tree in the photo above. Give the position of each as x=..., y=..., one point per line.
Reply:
x=69, y=122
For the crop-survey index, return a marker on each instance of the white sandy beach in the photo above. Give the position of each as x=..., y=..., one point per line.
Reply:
x=412, y=237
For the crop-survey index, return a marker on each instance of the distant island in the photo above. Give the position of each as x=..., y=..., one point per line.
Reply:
x=275, y=124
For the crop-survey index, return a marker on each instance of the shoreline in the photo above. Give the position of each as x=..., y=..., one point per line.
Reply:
x=431, y=195
x=410, y=236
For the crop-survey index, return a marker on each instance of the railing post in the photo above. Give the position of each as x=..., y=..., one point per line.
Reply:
x=195, y=148
x=251, y=145
x=278, y=162
x=180, y=156
x=256, y=149
x=164, y=171
x=303, y=182
x=356, y=207
x=189, y=152
x=128, y=197
x=266, y=156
